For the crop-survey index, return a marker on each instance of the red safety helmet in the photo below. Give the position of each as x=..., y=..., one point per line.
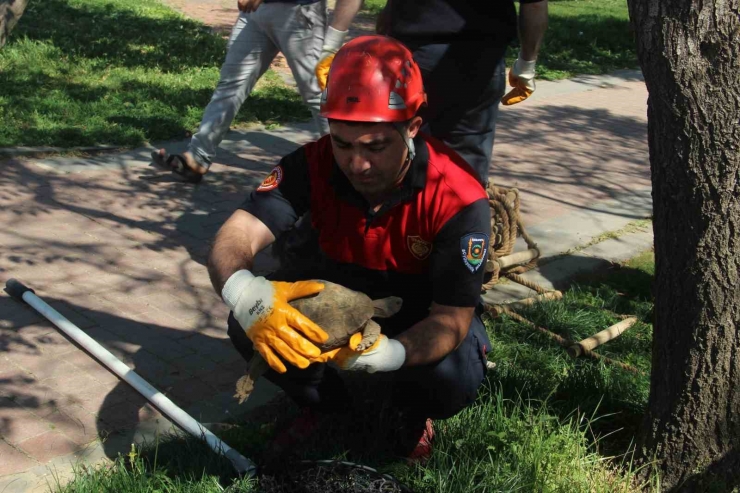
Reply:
x=373, y=79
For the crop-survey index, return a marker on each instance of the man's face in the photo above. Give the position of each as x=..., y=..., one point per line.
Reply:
x=370, y=155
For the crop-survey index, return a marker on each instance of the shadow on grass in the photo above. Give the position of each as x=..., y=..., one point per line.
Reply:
x=366, y=435
x=587, y=44
x=584, y=38
x=493, y=445
x=533, y=366
x=91, y=72
x=122, y=34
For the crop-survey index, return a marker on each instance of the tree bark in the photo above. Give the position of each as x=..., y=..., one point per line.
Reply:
x=10, y=12
x=689, y=51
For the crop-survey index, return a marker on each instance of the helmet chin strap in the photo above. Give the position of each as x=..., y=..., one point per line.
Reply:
x=409, y=145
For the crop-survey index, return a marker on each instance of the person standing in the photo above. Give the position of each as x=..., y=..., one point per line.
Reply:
x=460, y=47
x=264, y=27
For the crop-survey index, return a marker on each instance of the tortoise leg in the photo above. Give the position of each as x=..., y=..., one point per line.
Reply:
x=370, y=334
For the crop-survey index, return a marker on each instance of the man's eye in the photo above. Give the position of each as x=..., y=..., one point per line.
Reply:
x=377, y=149
x=342, y=145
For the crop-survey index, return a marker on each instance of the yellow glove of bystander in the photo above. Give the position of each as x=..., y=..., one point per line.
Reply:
x=332, y=42
x=274, y=327
x=521, y=79
x=322, y=70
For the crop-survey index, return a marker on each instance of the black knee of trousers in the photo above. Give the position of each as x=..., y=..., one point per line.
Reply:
x=317, y=386
x=441, y=390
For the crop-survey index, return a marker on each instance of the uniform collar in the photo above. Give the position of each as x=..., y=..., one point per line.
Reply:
x=415, y=179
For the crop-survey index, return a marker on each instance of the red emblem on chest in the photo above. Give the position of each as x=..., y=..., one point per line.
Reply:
x=418, y=247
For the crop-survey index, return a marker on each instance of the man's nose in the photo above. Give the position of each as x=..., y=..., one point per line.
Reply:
x=358, y=164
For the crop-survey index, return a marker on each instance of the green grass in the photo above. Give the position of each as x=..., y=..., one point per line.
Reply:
x=532, y=365
x=495, y=445
x=123, y=72
x=90, y=72
x=516, y=445
x=542, y=421
x=373, y=7
x=583, y=37
x=136, y=474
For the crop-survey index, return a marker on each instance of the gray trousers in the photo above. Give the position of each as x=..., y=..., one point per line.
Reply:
x=295, y=30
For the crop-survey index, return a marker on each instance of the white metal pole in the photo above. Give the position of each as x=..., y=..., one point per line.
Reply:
x=242, y=465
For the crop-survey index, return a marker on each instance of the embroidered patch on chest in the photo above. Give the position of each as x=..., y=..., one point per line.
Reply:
x=418, y=247
x=272, y=180
x=474, y=248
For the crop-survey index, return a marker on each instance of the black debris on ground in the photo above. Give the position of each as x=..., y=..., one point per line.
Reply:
x=334, y=477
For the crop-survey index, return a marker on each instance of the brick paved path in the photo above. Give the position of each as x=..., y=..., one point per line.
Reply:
x=120, y=253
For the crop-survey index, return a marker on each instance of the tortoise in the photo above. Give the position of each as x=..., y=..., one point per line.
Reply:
x=339, y=311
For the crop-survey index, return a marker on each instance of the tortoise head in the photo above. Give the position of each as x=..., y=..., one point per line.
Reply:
x=387, y=307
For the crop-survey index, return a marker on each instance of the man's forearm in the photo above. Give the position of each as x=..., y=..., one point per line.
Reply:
x=344, y=13
x=433, y=338
x=235, y=245
x=230, y=253
x=532, y=27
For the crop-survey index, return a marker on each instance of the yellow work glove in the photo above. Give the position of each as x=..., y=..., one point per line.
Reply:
x=385, y=355
x=332, y=42
x=521, y=78
x=261, y=308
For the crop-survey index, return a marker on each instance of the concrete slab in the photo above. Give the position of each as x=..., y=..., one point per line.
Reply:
x=547, y=88
x=579, y=227
x=622, y=248
x=557, y=272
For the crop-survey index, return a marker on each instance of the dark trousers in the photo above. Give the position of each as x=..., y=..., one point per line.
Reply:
x=436, y=391
x=464, y=83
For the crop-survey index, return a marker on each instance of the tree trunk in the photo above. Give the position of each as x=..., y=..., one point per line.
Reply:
x=689, y=51
x=10, y=12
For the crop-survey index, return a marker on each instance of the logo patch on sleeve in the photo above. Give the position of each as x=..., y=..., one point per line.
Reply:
x=474, y=248
x=272, y=180
x=418, y=247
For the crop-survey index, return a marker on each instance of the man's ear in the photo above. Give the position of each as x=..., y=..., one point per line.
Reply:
x=414, y=126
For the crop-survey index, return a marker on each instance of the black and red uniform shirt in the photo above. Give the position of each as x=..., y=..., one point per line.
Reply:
x=427, y=243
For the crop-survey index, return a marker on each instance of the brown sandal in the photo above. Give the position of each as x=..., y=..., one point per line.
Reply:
x=180, y=168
